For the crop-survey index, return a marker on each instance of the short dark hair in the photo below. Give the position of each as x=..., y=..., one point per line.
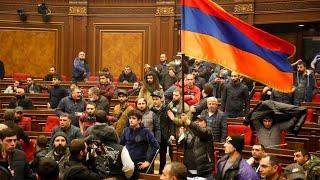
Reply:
x=65, y=115
x=75, y=147
x=273, y=160
x=42, y=141
x=302, y=63
x=48, y=169
x=91, y=103
x=178, y=170
x=135, y=113
x=9, y=132
x=208, y=89
x=101, y=116
x=303, y=151
x=178, y=90
x=261, y=145
x=8, y=115
x=95, y=90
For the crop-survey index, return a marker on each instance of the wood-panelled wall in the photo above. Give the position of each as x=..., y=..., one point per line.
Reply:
x=115, y=33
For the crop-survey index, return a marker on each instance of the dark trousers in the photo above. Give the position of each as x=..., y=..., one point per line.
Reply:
x=163, y=153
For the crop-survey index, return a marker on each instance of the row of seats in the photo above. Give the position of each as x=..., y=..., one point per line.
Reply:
x=23, y=76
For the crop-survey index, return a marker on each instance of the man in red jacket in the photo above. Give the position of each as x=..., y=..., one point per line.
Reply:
x=24, y=122
x=192, y=92
x=106, y=87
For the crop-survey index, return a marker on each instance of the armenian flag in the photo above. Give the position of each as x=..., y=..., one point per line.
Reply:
x=210, y=33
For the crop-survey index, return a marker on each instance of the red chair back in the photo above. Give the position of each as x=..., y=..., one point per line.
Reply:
x=316, y=98
x=93, y=78
x=241, y=130
x=52, y=121
x=20, y=76
x=256, y=96
x=310, y=117
x=63, y=78
x=28, y=149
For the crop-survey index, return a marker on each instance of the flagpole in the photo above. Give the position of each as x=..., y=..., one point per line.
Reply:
x=182, y=70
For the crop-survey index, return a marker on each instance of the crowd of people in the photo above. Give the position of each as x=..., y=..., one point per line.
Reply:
x=92, y=143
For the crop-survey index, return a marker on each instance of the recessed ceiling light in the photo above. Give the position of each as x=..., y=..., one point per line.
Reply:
x=301, y=25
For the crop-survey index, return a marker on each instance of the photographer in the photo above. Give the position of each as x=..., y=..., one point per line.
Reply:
x=105, y=141
x=76, y=168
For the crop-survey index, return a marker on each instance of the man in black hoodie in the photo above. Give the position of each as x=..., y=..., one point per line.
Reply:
x=127, y=76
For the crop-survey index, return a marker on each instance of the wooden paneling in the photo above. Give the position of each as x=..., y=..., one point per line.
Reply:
x=119, y=49
x=28, y=50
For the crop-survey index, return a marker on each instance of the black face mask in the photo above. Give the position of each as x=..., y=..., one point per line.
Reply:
x=60, y=150
x=19, y=96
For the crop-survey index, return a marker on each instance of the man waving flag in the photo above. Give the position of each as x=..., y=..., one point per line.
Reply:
x=210, y=33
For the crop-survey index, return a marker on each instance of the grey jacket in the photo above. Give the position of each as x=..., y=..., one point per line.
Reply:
x=218, y=123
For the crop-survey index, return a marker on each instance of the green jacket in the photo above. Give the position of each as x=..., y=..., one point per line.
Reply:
x=312, y=167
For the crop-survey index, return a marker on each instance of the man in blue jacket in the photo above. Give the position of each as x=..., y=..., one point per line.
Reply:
x=80, y=70
x=137, y=140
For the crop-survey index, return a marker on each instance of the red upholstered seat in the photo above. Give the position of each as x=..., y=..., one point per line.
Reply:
x=20, y=76
x=52, y=121
x=133, y=104
x=256, y=96
x=25, y=123
x=93, y=78
x=28, y=148
x=239, y=130
x=318, y=83
x=85, y=92
x=310, y=117
x=316, y=98
x=115, y=79
x=63, y=78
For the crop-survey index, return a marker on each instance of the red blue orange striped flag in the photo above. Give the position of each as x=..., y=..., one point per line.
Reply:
x=210, y=33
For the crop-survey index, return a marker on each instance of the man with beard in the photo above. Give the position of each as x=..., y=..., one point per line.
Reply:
x=71, y=131
x=60, y=152
x=51, y=74
x=33, y=87
x=257, y=152
x=309, y=162
x=76, y=167
x=150, y=85
x=24, y=122
x=16, y=158
x=88, y=118
x=175, y=107
x=127, y=76
x=74, y=105
x=305, y=84
x=80, y=70
x=166, y=126
x=56, y=92
x=120, y=111
x=235, y=100
x=20, y=100
x=105, y=85
x=100, y=101
x=149, y=119
x=216, y=120
x=232, y=165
